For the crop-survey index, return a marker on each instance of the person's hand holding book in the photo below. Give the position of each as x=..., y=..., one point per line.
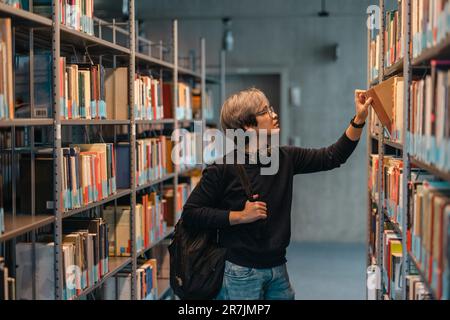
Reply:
x=362, y=104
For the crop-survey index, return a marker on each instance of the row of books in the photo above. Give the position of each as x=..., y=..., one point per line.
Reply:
x=392, y=188
x=89, y=174
x=430, y=24
x=416, y=289
x=119, y=286
x=85, y=260
x=393, y=34
x=6, y=72
x=148, y=98
x=75, y=14
x=85, y=254
x=429, y=233
x=391, y=182
x=7, y=283
x=429, y=127
x=82, y=91
x=153, y=161
x=150, y=222
x=392, y=263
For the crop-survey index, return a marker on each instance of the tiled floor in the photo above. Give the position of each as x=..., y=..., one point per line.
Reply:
x=327, y=271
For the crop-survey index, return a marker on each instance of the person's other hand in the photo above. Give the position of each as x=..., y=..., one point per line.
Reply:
x=252, y=212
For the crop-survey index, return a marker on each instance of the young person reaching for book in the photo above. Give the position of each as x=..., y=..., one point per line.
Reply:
x=256, y=234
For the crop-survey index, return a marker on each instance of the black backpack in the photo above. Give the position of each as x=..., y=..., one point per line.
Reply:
x=197, y=262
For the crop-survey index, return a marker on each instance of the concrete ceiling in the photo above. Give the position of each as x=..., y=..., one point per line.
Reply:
x=236, y=9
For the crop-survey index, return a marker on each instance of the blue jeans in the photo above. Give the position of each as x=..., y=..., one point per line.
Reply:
x=242, y=283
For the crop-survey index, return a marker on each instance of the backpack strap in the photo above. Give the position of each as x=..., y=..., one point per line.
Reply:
x=245, y=181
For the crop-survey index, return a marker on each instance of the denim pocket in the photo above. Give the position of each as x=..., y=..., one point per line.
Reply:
x=235, y=271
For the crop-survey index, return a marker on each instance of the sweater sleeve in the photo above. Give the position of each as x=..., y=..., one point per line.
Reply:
x=200, y=210
x=325, y=159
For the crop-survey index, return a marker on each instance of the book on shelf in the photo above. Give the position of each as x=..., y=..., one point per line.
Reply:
x=6, y=71
x=184, y=108
x=43, y=87
x=416, y=288
x=429, y=24
x=89, y=174
x=84, y=260
x=148, y=98
x=168, y=100
x=119, y=286
x=75, y=14
x=82, y=91
x=392, y=259
x=169, y=213
x=183, y=111
x=197, y=109
x=388, y=104
x=7, y=283
x=429, y=126
x=147, y=280
x=116, y=93
x=392, y=193
x=391, y=188
x=429, y=233
x=184, y=190
x=393, y=34
x=150, y=224
x=85, y=251
x=153, y=160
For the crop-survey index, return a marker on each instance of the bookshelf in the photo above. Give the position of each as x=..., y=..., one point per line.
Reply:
x=115, y=43
x=411, y=67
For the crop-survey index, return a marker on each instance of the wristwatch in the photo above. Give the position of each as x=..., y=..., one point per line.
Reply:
x=355, y=125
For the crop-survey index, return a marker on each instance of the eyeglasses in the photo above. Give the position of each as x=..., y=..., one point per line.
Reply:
x=269, y=110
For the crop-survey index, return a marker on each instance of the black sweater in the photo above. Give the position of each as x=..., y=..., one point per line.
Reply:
x=261, y=244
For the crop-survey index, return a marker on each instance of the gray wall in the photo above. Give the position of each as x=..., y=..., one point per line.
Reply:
x=288, y=35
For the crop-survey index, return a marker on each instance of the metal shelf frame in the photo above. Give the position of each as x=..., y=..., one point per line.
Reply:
x=62, y=35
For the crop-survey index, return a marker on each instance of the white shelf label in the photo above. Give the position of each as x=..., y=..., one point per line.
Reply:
x=58, y=132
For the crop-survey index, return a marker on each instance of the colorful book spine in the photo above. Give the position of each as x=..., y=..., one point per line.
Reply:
x=82, y=91
x=429, y=125
x=88, y=174
x=429, y=232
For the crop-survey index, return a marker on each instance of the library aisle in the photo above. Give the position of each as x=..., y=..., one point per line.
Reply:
x=224, y=150
x=327, y=271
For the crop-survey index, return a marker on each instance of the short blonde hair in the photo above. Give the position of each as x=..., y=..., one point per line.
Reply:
x=240, y=109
